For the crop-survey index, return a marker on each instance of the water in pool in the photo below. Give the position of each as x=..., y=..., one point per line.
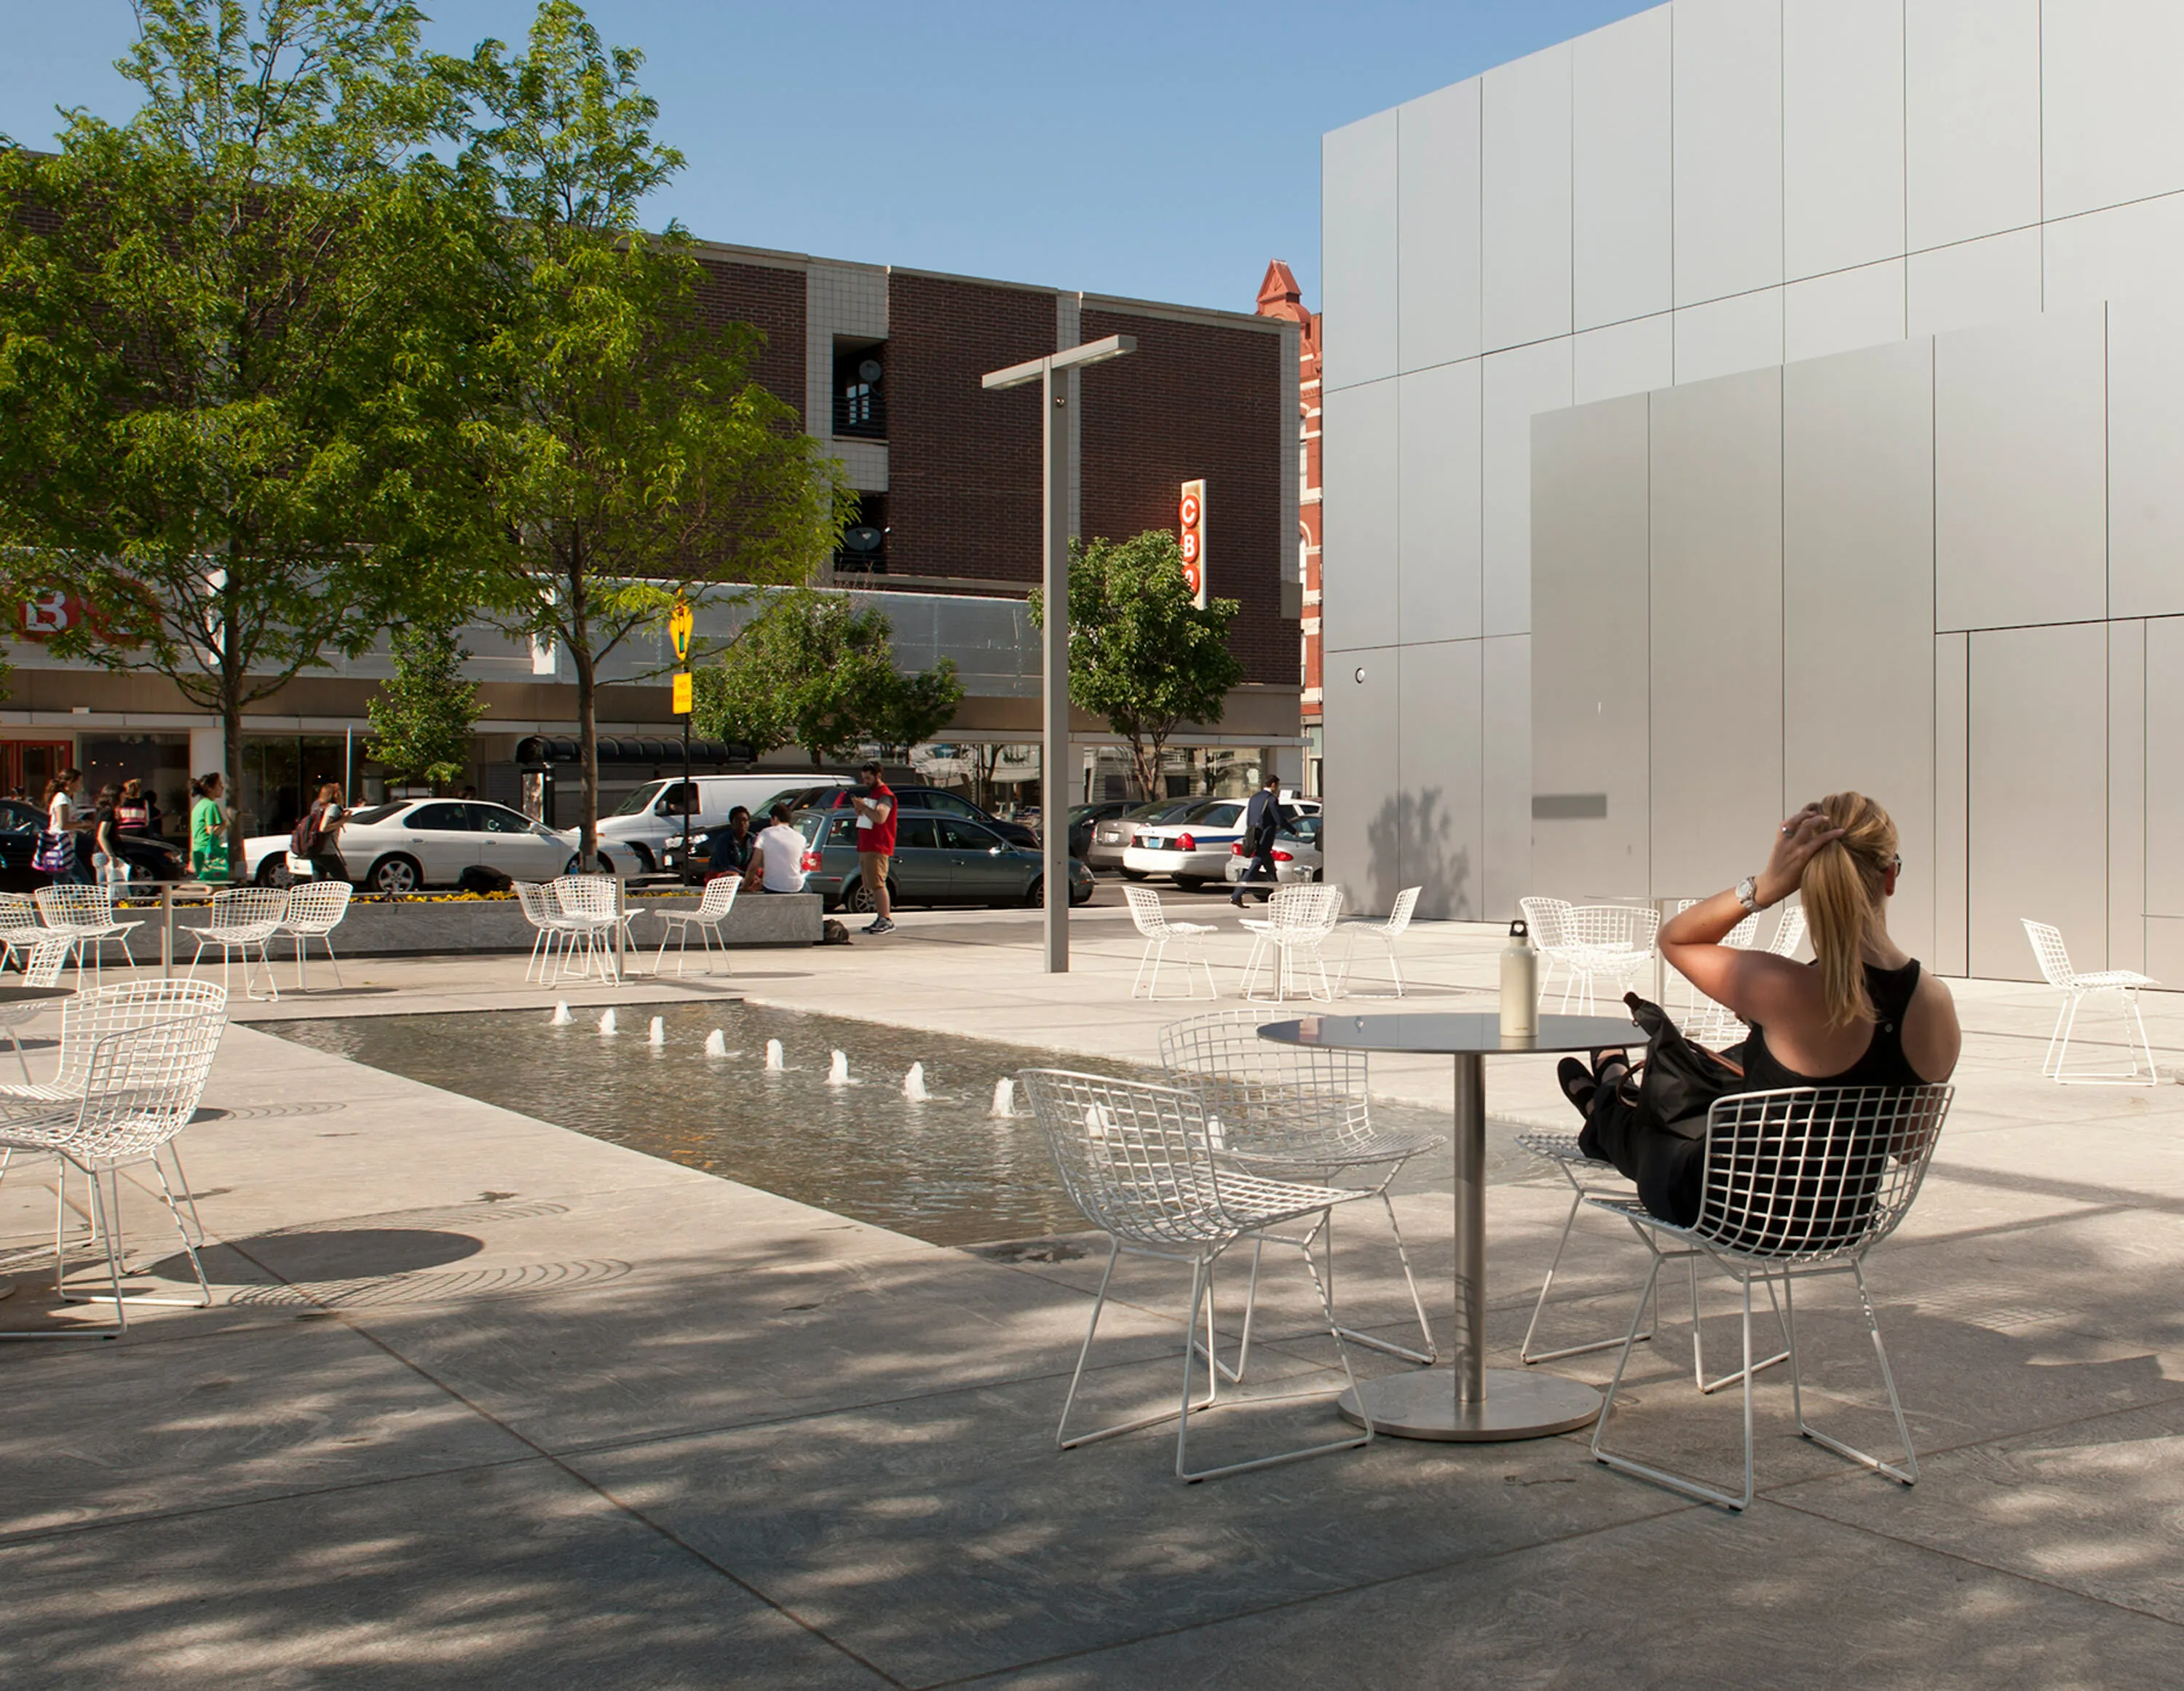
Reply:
x=841, y=1122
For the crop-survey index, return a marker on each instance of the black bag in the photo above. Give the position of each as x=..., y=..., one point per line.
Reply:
x=1676, y=1082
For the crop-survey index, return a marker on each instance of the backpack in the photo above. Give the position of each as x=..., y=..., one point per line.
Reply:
x=306, y=834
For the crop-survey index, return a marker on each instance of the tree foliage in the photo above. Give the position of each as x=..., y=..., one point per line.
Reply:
x=422, y=718
x=810, y=670
x=1141, y=653
x=619, y=443
x=216, y=321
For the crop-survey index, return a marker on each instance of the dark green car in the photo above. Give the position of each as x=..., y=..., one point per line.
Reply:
x=938, y=861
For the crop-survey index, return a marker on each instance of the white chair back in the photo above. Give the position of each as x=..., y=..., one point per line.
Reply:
x=315, y=908
x=1137, y=1159
x=247, y=915
x=1547, y=920
x=537, y=902
x=1399, y=914
x=73, y=905
x=2049, y=951
x=1614, y=927
x=90, y=1016
x=143, y=1085
x=1146, y=912
x=588, y=898
x=1788, y=932
x=720, y=898
x=1268, y=1100
x=1296, y=912
x=19, y=917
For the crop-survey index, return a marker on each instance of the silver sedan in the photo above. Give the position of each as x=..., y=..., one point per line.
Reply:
x=1296, y=857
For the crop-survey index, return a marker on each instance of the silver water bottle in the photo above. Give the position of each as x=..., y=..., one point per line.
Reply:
x=1520, y=984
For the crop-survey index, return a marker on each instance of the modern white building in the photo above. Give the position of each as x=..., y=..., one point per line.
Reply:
x=1755, y=398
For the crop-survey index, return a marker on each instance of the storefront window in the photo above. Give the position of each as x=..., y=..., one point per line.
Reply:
x=281, y=772
x=160, y=761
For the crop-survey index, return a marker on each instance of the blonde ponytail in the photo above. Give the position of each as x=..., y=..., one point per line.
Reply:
x=1842, y=888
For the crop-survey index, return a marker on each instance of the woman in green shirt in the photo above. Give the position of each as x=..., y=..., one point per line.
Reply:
x=207, y=829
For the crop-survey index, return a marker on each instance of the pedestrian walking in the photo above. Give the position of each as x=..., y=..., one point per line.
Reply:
x=208, y=829
x=108, y=865
x=132, y=810
x=780, y=856
x=59, y=853
x=1264, y=819
x=874, y=800
x=317, y=837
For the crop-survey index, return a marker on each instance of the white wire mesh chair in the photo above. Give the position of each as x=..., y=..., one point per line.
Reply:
x=1548, y=922
x=90, y=1016
x=550, y=928
x=141, y=1087
x=41, y=968
x=1606, y=942
x=243, y=917
x=1387, y=932
x=1159, y=931
x=20, y=929
x=1295, y=1113
x=587, y=904
x=713, y=909
x=314, y=909
x=1139, y=1161
x=2054, y=960
x=86, y=915
x=1293, y=936
x=1788, y=932
x=1703, y=1020
x=1798, y=1184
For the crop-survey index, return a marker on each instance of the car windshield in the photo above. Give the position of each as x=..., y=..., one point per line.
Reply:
x=376, y=813
x=1160, y=810
x=640, y=801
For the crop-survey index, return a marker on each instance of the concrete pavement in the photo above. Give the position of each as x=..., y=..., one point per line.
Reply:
x=484, y=1401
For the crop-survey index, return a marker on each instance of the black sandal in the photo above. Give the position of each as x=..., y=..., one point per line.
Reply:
x=1579, y=1083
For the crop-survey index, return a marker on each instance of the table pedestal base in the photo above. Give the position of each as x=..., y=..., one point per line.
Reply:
x=1518, y=1404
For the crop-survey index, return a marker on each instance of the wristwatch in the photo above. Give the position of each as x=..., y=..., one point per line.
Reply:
x=1748, y=894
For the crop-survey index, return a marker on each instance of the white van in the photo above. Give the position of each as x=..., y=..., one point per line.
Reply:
x=632, y=838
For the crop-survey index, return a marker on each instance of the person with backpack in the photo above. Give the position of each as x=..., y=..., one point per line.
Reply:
x=316, y=838
x=1263, y=821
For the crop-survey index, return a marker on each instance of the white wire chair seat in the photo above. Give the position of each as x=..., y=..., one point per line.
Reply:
x=1159, y=931
x=314, y=909
x=1798, y=1184
x=85, y=914
x=1295, y=930
x=141, y=1087
x=1296, y=1111
x=1387, y=931
x=713, y=909
x=1138, y=1160
x=2053, y=957
x=595, y=926
x=243, y=918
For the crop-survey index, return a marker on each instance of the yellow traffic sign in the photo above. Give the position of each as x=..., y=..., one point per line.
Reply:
x=683, y=693
x=679, y=622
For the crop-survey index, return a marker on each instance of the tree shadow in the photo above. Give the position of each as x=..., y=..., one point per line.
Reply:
x=1411, y=842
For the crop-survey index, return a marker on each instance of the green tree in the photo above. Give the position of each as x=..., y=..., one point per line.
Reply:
x=214, y=322
x=422, y=719
x=1141, y=653
x=619, y=444
x=810, y=670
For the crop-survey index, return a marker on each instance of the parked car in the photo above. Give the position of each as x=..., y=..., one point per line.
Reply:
x=1296, y=857
x=1195, y=847
x=150, y=857
x=1111, y=839
x=934, y=798
x=634, y=838
x=419, y=843
x=1085, y=818
x=939, y=858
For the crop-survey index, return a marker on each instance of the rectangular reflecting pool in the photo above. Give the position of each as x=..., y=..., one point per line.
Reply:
x=942, y=1167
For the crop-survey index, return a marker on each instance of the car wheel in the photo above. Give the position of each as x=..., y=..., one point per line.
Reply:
x=395, y=874
x=574, y=866
x=645, y=863
x=1134, y=875
x=1035, y=894
x=274, y=872
x=858, y=896
x=1190, y=883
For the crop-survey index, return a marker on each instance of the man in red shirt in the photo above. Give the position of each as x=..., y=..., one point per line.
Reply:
x=874, y=800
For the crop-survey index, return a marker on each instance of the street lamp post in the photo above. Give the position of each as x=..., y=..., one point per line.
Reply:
x=1054, y=736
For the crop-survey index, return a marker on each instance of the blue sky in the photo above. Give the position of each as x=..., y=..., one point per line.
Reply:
x=1165, y=152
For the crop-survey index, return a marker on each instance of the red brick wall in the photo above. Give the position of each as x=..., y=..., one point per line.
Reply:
x=963, y=463
x=1198, y=400
x=770, y=300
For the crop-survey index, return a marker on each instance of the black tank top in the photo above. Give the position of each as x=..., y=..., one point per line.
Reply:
x=1883, y=1063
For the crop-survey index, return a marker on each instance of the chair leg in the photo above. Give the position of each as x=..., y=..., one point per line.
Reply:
x=2055, y=1034
x=1062, y=1438
x=1431, y=1353
x=2137, y=1021
x=1707, y=1388
x=1679, y=1482
x=21, y=1061
x=1525, y=1354
x=1907, y=1475
x=182, y=1179
x=333, y=962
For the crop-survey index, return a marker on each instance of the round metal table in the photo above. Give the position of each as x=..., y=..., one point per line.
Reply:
x=1468, y=1401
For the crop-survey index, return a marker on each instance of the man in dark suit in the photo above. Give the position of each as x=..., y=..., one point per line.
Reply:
x=1263, y=821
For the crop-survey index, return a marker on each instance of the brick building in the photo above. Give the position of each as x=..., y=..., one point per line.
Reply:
x=884, y=365
x=1280, y=297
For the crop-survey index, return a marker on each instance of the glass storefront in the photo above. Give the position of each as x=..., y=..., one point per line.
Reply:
x=281, y=772
x=160, y=761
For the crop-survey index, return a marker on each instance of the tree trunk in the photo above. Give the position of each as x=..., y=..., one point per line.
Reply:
x=1145, y=756
x=587, y=741
x=230, y=756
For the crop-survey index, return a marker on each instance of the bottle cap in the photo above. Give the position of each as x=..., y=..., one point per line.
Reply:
x=1517, y=929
